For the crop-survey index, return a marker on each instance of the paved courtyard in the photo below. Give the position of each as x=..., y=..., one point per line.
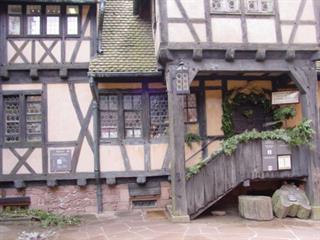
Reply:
x=139, y=225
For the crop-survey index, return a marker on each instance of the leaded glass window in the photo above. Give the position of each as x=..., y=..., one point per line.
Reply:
x=20, y=109
x=132, y=106
x=260, y=6
x=12, y=119
x=225, y=6
x=109, y=106
x=33, y=118
x=190, y=108
x=159, y=120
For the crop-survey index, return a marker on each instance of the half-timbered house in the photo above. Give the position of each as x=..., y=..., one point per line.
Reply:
x=99, y=98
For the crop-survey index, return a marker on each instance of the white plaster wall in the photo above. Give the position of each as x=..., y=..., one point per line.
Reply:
x=70, y=45
x=179, y=32
x=21, y=87
x=226, y=30
x=84, y=52
x=84, y=96
x=286, y=31
x=86, y=161
x=194, y=8
x=308, y=12
x=39, y=51
x=261, y=31
x=111, y=159
x=200, y=29
x=306, y=34
x=26, y=51
x=172, y=9
x=63, y=124
x=35, y=160
x=288, y=9
x=9, y=161
x=136, y=157
x=157, y=153
x=214, y=112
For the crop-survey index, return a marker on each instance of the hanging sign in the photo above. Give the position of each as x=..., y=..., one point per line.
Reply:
x=285, y=97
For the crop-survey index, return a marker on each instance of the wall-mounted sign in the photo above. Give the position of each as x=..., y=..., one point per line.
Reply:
x=60, y=160
x=285, y=97
x=284, y=162
x=182, y=79
x=276, y=156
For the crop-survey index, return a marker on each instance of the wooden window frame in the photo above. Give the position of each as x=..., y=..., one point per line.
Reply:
x=186, y=107
x=22, y=119
x=43, y=21
x=146, y=117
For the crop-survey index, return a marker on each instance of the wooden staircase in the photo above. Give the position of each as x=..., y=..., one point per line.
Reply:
x=224, y=173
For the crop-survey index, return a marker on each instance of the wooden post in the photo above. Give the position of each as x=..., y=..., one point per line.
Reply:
x=306, y=76
x=179, y=211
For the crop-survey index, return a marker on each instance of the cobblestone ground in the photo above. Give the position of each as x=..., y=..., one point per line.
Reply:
x=138, y=225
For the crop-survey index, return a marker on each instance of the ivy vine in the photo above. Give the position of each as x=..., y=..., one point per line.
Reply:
x=302, y=134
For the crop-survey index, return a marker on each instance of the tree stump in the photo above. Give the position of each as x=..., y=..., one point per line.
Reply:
x=291, y=201
x=255, y=207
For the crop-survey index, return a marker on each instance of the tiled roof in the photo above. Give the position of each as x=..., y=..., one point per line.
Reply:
x=127, y=41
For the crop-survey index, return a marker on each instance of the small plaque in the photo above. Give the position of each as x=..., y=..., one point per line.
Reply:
x=285, y=97
x=284, y=162
x=60, y=160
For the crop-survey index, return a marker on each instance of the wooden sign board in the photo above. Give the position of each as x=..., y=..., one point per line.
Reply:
x=285, y=97
x=276, y=156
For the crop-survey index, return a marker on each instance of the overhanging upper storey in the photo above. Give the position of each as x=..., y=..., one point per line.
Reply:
x=238, y=24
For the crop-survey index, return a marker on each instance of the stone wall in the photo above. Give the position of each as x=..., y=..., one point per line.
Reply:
x=79, y=200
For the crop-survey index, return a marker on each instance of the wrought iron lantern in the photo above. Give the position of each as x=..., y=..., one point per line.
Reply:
x=182, y=79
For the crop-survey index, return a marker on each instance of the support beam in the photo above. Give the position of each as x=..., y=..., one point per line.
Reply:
x=306, y=78
x=177, y=151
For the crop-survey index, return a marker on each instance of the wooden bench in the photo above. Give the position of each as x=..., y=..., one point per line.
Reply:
x=15, y=201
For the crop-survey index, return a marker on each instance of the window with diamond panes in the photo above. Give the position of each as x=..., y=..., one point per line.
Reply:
x=12, y=119
x=260, y=6
x=159, y=120
x=33, y=118
x=132, y=107
x=20, y=109
x=190, y=108
x=109, y=107
x=225, y=6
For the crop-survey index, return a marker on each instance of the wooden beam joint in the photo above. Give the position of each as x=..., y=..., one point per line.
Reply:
x=230, y=55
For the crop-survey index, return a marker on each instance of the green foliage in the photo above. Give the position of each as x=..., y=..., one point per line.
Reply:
x=46, y=218
x=300, y=135
x=190, y=138
x=284, y=113
x=234, y=99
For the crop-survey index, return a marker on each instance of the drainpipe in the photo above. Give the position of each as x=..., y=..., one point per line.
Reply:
x=100, y=26
x=96, y=147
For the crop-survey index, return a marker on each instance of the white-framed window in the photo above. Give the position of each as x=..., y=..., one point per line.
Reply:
x=14, y=19
x=260, y=6
x=33, y=19
x=53, y=19
x=225, y=6
x=73, y=19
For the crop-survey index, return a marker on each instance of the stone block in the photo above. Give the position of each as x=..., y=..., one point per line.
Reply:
x=255, y=207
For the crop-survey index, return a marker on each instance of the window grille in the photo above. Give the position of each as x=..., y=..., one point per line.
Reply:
x=225, y=6
x=132, y=116
x=190, y=108
x=109, y=116
x=159, y=119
